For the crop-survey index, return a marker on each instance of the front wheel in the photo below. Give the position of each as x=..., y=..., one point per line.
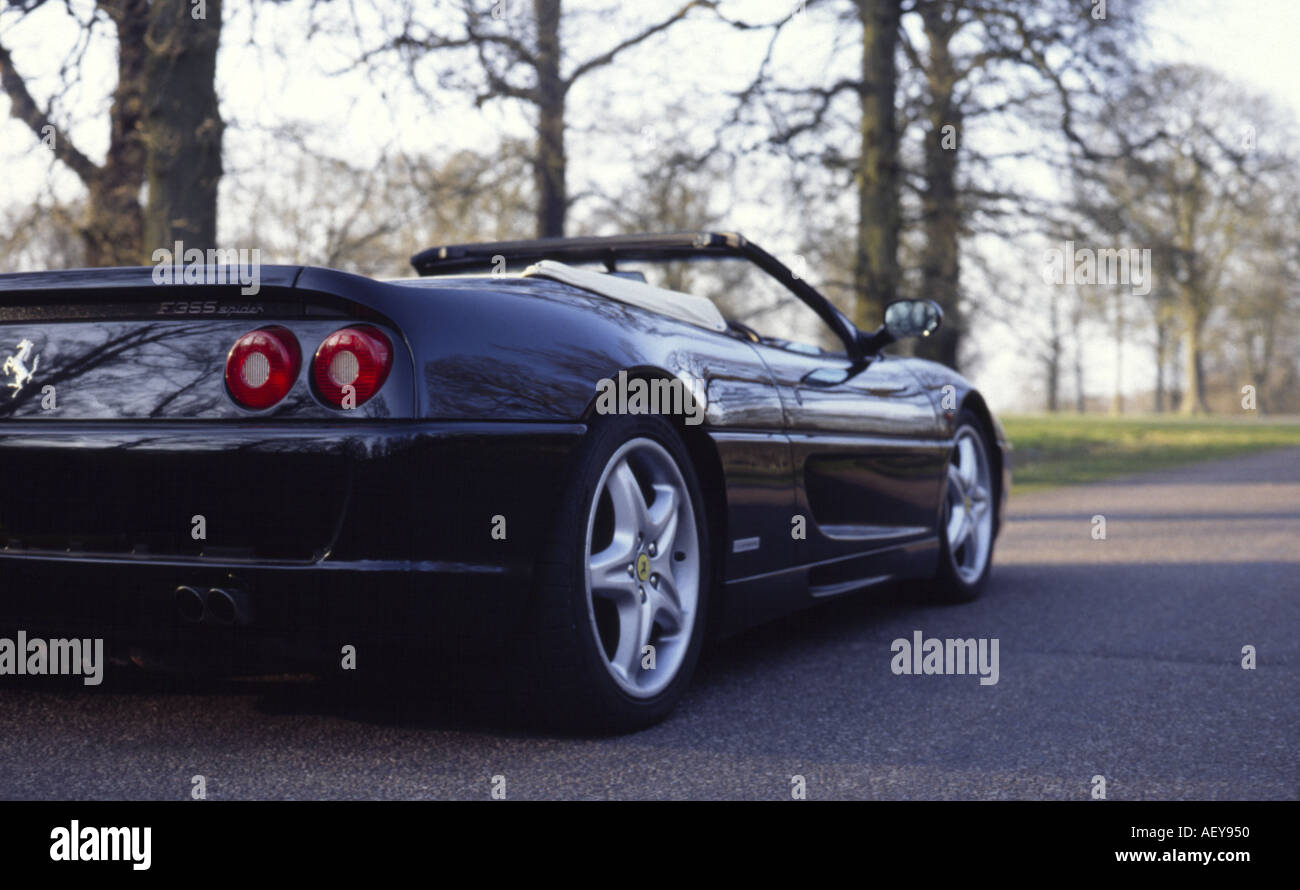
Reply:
x=622, y=594
x=967, y=517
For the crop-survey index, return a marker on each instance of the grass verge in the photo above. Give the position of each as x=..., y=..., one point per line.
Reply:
x=1067, y=449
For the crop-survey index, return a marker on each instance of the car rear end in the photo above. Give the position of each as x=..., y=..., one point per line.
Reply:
x=196, y=473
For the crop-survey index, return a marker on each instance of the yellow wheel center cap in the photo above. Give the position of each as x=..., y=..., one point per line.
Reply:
x=643, y=567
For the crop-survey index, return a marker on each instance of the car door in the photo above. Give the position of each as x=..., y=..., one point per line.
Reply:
x=868, y=457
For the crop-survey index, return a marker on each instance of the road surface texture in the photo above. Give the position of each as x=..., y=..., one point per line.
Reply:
x=1118, y=658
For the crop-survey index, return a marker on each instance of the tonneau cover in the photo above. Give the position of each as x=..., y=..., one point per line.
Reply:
x=675, y=304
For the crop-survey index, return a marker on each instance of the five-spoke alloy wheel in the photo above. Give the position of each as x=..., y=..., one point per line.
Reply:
x=643, y=567
x=967, y=527
x=621, y=602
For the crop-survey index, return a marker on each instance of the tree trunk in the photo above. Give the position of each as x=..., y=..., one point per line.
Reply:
x=1193, y=367
x=1077, y=310
x=182, y=125
x=876, y=262
x=1054, y=378
x=1259, y=380
x=1259, y=363
x=1172, y=385
x=941, y=217
x=113, y=226
x=550, y=164
x=1055, y=352
x=1080, y=398
x=1161, y=356
x=1117, y=395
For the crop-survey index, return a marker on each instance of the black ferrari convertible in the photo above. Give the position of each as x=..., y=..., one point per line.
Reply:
x=575, y=460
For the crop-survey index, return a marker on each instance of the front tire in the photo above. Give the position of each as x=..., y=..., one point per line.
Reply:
x=621, y=596
x=967, y=527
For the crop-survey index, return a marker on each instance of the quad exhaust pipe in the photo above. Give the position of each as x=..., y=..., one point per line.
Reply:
x=212, y=606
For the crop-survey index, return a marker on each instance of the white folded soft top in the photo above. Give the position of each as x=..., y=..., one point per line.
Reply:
x=675, y=304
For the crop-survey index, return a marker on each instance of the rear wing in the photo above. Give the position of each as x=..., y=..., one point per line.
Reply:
x=130, y=278
x=135, y=292
x=282, y=291
x=490, y=255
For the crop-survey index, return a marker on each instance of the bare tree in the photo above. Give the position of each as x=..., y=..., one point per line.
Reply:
x=512, y=57
x=113, y=225
x=302, y=204
x=1186, y=180
x=40, y=235
x=1037, y=59
x=964, y=60
x=877, y=176
x=1263, y=296
x=802, y=121
x=182, y=124
x=163, y=128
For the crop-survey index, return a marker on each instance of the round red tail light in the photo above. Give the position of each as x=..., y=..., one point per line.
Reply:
x=359, y=358
x=262, y=366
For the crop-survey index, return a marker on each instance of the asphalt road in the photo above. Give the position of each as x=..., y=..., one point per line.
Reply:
x=1119, y=658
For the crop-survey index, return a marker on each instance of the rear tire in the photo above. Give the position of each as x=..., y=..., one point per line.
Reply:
x=628, y=566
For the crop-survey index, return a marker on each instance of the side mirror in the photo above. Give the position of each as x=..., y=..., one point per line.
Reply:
x=903, y=318
x=912, y=318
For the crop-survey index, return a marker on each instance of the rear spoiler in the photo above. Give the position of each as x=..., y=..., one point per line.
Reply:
x=134, y=277
x=134, y=292
x=606, y=249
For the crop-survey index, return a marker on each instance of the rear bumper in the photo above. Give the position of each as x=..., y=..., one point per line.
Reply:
x=407, y=555
x=299, y=616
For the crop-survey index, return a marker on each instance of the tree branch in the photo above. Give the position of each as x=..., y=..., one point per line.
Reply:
x=607, y=57
x=24, y=108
